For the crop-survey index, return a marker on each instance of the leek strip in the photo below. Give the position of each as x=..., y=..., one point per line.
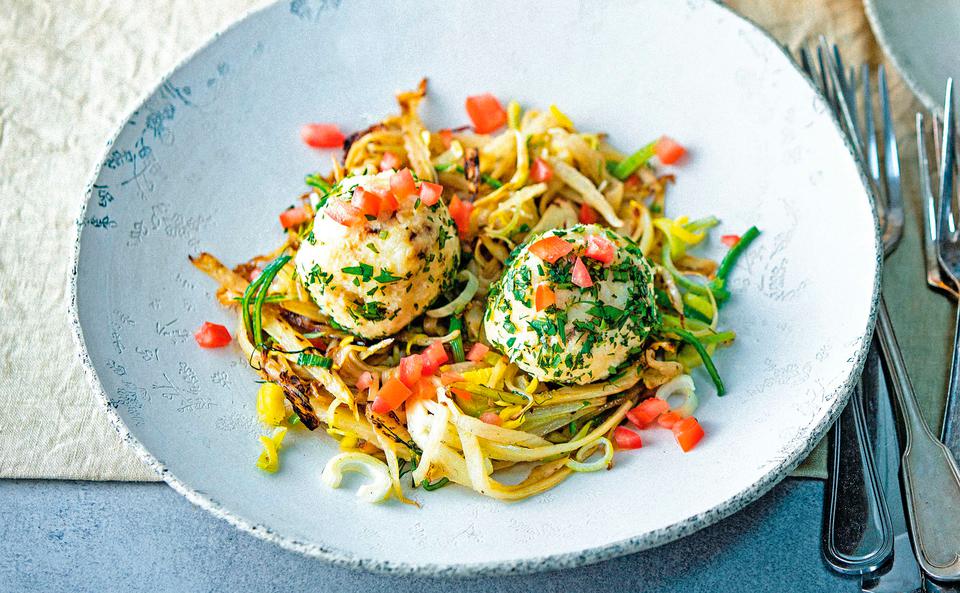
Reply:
x=587, y=190
x=457, y=305
x=627, y=166
x=630, y=377
x=517, y=453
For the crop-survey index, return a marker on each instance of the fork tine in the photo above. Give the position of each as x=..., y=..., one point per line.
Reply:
x=945, y=224
x=835, y=73
x=824, y=77
x=891, y=162
x=805, y=62
x=869, y=127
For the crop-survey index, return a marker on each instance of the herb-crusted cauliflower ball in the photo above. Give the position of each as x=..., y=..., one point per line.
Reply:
x=374, y=261
x=573, y=305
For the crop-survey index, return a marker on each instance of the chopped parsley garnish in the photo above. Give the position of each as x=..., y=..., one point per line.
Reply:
x=385, y=277
x=363, y=270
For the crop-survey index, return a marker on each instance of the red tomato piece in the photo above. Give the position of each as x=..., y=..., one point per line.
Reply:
x=730, y=240
x=669, y=419
x=462, y=394
x=600, y=249
x=212, y=335
x=580, y=275
x=540, y=171
x=477, y=352
x=449, y=377
x=460, y=211
x=432, y=357
x=551, y=248
x=544, y=297
x=669, y=151
x=322, y=135
x=410, y=370
x=343, y=213
x=294, y=217
x=391, y=395
x=367, y=202
x=388, y=205
x=430, y=193
x=424, y=389
x=402, y=184
x=624, y=438
x=390, y=161
x=486, y=113
x=365, y=381
x=587, y=215
x=688, y=433
x=491, y=418
x=446, y=137
x=647, y=411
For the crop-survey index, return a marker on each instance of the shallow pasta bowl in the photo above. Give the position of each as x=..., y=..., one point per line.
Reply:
x=213, y=154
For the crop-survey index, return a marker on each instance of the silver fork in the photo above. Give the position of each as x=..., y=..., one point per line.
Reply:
x=947, y=252
x=857, y=532
x=931, y=479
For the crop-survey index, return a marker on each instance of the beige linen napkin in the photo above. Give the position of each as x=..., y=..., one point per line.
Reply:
x=71, y=70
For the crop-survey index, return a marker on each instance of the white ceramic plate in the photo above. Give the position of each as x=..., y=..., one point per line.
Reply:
x=213, y=154
x=923, y=40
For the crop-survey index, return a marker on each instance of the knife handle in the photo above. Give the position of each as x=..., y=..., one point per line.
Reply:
x=857, y=534
x=931, y=479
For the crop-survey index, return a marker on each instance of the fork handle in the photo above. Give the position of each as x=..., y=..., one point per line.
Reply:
x=857, y=532
x=931, y=479
x=950, y=434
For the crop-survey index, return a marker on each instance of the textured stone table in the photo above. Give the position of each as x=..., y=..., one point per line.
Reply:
x=105, y=537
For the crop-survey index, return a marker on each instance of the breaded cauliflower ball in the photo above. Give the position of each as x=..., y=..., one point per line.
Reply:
x=573, y=305
x=373, y=274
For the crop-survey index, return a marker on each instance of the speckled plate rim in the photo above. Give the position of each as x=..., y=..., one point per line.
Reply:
x=931, y=103
x=561, y=561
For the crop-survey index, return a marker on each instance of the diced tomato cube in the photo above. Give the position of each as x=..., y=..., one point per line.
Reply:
x=365, y=380
x=540, y=171
x=432, y=357
x=446, y=137
x=551, y=248
x=491, y=418
x=460, y=211
x=402, y=184
x=430, y=193
x=486, y=113
x=368, y=203
x=212, y=335
x=388, y=205
x=294, y=217
x=343, y=213
x=544, y=297
x=600, y=249
x=669, y=151
x=322, y=135
x=462, y=393
x=587, y=214
x=624, y=438
x=688, y=433
x=477, y=352
x=647, y=411
x=389, y=161
x=391, y=395
x=449, y=377
x=668, y=419
x=410, y=370
x=580, y=275
x=730, y=240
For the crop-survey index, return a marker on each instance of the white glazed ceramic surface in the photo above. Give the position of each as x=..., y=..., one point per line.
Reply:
x=922, y=37
x=213, y=155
